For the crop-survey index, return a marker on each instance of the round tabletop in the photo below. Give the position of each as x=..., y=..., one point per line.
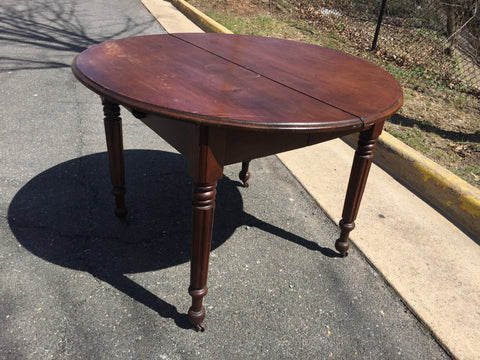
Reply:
x=241, y=81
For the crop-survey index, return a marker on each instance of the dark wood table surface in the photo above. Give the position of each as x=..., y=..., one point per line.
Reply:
x=221, y=99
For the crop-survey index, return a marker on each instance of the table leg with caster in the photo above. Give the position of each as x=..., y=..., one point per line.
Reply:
x=114, y=137
x=358, y=178
x=205, y=171
x=244, y=174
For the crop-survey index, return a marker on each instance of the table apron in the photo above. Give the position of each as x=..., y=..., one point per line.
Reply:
x=231, y=145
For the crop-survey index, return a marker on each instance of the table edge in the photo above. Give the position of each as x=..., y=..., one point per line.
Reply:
x=141, y=107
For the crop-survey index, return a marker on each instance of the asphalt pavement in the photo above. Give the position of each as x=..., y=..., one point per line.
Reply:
x=76, y=283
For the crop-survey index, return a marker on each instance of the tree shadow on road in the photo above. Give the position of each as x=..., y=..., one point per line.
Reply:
x=29, y=28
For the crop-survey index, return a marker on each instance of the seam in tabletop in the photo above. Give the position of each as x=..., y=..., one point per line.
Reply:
x=269, y=78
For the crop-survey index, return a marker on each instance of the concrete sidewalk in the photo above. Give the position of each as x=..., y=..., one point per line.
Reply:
x=432, y=264
x=77, y=283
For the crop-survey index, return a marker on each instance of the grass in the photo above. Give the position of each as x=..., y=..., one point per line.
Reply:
x=413, y=137
x=470, y=171
x=263, y=25
x=259, y=25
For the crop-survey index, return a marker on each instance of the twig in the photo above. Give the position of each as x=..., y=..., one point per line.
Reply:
x=465, y=24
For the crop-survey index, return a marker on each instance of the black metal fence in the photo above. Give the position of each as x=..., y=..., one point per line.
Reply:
x=438, y=40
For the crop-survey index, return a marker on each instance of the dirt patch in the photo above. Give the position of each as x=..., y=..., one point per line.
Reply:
x=436, y=119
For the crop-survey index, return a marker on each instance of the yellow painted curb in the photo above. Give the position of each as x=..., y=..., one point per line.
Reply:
x=204, y=22
x=453, y=197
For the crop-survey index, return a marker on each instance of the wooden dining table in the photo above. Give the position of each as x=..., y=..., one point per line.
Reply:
x=221, y=99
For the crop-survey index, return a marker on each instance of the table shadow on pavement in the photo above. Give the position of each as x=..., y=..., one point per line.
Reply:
x=65, y=216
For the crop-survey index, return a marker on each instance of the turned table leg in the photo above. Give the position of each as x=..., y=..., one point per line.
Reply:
x=205, y=170
x=113, y=133
x=203, y=209
x=356, y=185
x=244, y=174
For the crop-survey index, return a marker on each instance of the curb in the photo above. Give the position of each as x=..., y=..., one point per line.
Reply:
x=203, y=21
x=453, y=197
